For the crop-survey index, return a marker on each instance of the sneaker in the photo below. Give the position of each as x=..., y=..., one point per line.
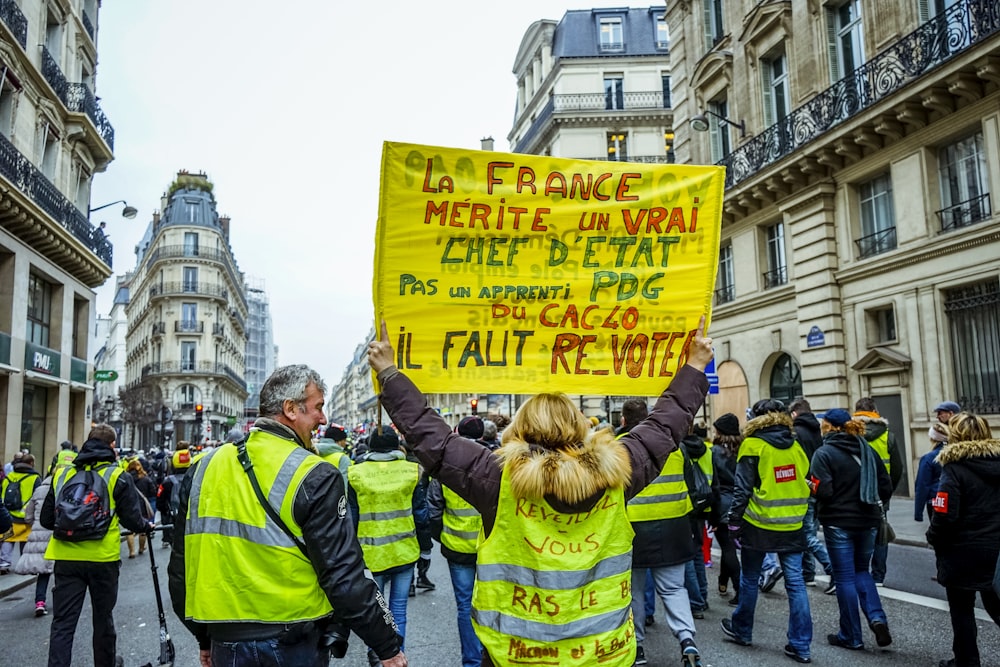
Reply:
x=727, y=630
x=650, y=621
x=831, y=588
x=835, y=640
x=424, y=583
x=734, y=601
x=880, y=584
x=770, y=579
x=881, y=630
x=698, y=613
x=40, y=609
x=640, y=656
x=723, y=590
x=810, y=582
x=689, y=653
x=796, y=656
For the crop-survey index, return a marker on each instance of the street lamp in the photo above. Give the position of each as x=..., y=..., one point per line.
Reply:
x=128, y=212
x=699, y=122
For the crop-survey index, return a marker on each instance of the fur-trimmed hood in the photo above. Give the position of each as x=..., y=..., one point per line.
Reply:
x=774, y=428
x=875, y=425
x=970, y=449
x=571, y=475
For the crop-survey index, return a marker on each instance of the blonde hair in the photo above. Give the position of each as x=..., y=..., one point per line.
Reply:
x=135, y=466
x=966, y=427
x=548, y=420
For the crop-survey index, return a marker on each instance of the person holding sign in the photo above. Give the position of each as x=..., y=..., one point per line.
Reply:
x=554, y=566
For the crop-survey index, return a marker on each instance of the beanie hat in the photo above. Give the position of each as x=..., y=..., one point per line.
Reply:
x=387, y=441
x=470, y=427
x=335, y=433
x=837, y=417
x=938, y=432
x=699, y=430
x=727, y=424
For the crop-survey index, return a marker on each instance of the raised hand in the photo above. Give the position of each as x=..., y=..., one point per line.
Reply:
x=380, y=354
x=700, y=351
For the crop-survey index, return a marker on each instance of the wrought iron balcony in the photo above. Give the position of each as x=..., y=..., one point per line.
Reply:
x=725, y=294
x=54, y=75
x=189, y=326
x=218, y=329
x=159, y=328
x=87, y=24
x=186, y=367
x=184, y=287
x=669, y=158
x=776, y=277
x=877, y=243
x=200, y=252
x=14, y=19
x=24, y=176
x=611, y=47
x=937, y=41
x=80, y=99
x=602, y=101
x=536, y=126
x=967, y=213
x=235, y=314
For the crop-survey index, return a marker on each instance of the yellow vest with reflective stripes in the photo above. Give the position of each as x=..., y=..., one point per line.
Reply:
x=779, y=504
x=27, y=483
x=666, y=497
x=105, y=550
x=705, y=462
x=554, y=589
x=65, y=458
x=386, y=530
x=462, y=523
x=881, y=447
x=239, y=565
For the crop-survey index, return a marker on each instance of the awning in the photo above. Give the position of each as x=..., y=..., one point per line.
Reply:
x=4, y=368
x=83, y=386
x=45, y=379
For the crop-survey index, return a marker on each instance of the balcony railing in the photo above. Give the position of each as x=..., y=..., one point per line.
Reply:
x=189, y=326
x=536, y=125
x=199, y=252
x=877, y=243
x=193, y=368
x=725, y=294
x=218, y=329
x=182, y=287
x=235, y=314
x=54, y=75
x=669, y=158
x=20, y=171
x=87, y=24
x=14, y=19
x=79, y=99
x=652, y=99
x=935, y=42
x=159, y=328
x=776, y=277
x=967, y=213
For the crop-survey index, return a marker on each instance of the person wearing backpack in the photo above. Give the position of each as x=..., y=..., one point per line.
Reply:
x=699, y=475
x=86, y=545
x=168, y=499
x=16, y=491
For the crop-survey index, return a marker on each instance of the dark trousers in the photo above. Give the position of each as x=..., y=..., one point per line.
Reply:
x=73, y=580
x=962, y=607
x=729, y=567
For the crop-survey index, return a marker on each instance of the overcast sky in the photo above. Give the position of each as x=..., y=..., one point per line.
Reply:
x=285, y=106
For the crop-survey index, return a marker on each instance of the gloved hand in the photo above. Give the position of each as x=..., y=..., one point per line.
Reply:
x=735, y=532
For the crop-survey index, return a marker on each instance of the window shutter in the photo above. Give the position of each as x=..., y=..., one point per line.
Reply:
x=767, y=83
x=833, y=53
x=715, y=139
x=707, y=16
x=923, y=11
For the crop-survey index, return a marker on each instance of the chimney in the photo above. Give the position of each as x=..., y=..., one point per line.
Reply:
x=156, y=217
x=486, y=144
x=224, y=223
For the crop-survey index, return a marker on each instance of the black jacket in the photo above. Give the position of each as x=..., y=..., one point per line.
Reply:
x=128, y=502
x=328, y=534
x=776, y=430
x=837, y=484
x=807, y=433
x=724, y=479
x=965, y=525
x=666, y=542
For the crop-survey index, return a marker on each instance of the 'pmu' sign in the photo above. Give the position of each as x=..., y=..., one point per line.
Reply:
x=41, y=359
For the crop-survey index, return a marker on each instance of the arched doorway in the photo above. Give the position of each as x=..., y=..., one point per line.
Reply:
x=786, y=379
x=734, y=394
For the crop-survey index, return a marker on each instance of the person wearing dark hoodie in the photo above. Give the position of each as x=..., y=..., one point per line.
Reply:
x=883, y=441
x=90, y=565
x=726, y=446
x=552, y=501
x=695, y=578
x=769, y=504
x=807, y=433
x=965, y=530
x=929, y=473
x=849, y=483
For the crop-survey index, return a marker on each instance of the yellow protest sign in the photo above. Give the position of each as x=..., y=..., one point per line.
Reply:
x=508, y=273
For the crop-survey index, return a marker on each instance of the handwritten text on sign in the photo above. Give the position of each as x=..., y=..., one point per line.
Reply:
x=520, y=273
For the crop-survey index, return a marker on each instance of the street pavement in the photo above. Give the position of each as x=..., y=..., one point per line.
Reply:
x=917, y=613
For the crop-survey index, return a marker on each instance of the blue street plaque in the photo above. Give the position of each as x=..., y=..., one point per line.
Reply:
x=815, y=338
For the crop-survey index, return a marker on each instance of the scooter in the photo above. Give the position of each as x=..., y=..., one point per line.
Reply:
x=167, y=652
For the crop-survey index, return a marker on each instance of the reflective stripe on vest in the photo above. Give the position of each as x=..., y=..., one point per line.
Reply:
x=108, y=548
x=461, y=523
x=881, y=447
x=779, y=504
x=65, y=457
x=386, y=530
x=666, y=497
x=233, y=550
x=705, y=463
x=552, y=588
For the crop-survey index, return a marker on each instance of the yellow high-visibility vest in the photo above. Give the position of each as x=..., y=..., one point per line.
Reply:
x=666, y=497
x=462, y=523
x=108, y=548
x=780, y=502
x=881, y=447
x=386, y=529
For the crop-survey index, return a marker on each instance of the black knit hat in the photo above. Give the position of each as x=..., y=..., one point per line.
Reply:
x=471, y=427
x=727, y=424
x=388, y=441
x=335, y=433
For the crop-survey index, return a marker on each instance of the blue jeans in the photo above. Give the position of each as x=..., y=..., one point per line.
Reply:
x=850, y=553
x=650, y=594
x=696, y=582
x=396, y=597
x=816, y=548
x=270, y=653
x=463, y=577
x=799, y=618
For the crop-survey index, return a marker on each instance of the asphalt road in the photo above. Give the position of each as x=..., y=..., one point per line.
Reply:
x=914, y=603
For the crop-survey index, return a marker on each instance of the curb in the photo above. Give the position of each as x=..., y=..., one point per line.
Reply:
x=14, y=586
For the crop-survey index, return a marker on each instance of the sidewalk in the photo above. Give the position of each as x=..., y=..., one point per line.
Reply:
x=10, y=583
x=908, y=531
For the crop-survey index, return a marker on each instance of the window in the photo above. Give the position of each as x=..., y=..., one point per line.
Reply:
x=82, y=187
x=881, y=325
x=189, y=315
x=668, y=146
x=617, y=147
x=191, y=211
x=774, y=69
x=611, y=36
x=878, y=222
x=974, y=323
x=7, y=96
x=718, y=130
x=190, y=244
x=188, y=356
x=662, y=32
x=187, y=394
x=777, y=269
x=786, y=379
x=725, y=283
x=712, y=13
x=614, y=95
x=965, y=197
x=665, y=80
x=846, y=39
x=190, y=279
x=53, y=35
x=34, y=405
x=50, y=151
x=39, y=310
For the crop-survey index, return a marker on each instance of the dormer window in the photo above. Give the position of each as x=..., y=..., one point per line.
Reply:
x=611, y=35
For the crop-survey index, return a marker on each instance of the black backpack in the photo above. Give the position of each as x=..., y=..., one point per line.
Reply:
x=12, y=499
x=83, y=506
x=699, y=488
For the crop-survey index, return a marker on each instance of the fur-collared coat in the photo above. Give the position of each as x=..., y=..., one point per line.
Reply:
x=965, y=524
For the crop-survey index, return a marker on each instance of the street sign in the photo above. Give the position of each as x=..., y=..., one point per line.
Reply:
x=105, y=376
x=713, y=377
x=230, y=421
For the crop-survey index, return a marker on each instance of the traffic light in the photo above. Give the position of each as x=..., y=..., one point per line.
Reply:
x=474, y=404
x=199, y=412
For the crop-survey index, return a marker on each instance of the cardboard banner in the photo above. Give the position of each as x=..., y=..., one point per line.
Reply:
x=509, y=273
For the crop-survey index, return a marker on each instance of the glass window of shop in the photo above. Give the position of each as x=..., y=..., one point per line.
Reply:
x=39, y=310
x=33, y=411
